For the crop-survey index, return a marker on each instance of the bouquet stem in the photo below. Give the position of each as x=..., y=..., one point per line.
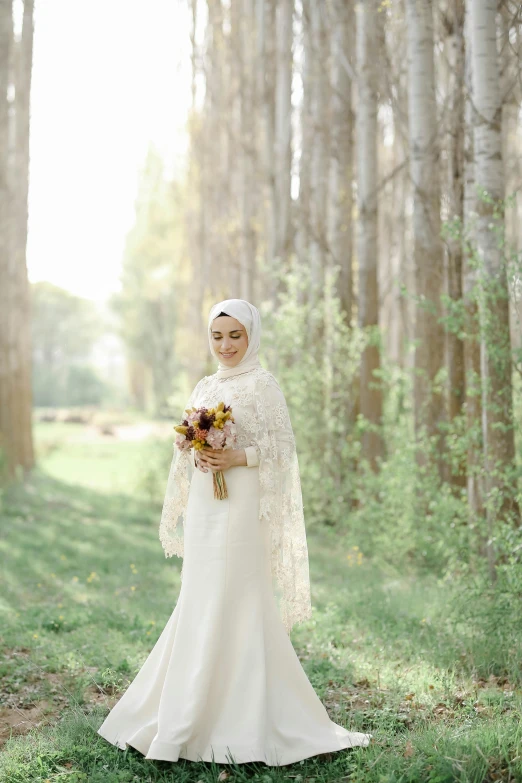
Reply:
x=220, y=487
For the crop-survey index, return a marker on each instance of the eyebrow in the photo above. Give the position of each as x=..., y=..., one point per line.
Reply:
x=216, y=331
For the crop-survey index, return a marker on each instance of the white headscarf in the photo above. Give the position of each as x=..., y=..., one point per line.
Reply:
x=248, y=315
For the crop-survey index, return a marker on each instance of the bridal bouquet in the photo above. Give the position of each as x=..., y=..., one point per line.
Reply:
x=212, y=427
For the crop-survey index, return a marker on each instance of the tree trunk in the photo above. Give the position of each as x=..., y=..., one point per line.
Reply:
x=474, y=463
x=428, y=250
x=15, y=372
x=247, y=147
x=496, y=359
x=304, y=229
x=320, y=153
x=341, y=170
x=266, y=91
x=7, y=427
x=454, y=50
x=283, y=138
x=367, y=244
x=510, y=60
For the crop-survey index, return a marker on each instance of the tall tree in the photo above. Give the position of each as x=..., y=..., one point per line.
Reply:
x=340, y=224
x=283, y=136
x=247, y=146
x=267, y=70
x=427, y=243
x=24, y=68
x=153, y=301
x=455, y=60
x=496, y=359
x=318, y=73
x=15, y=343
x=367, y=245
x=6, y=41
x=510, y=40
x=473, y=383
x=398, y=313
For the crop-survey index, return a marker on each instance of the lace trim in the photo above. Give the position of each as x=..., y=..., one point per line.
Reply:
x=263, y=421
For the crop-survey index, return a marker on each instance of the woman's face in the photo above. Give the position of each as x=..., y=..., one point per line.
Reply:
x=229, y=339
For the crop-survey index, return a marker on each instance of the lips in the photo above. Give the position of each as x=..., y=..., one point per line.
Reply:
x=228, y=355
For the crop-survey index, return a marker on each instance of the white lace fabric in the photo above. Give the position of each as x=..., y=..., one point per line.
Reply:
x=263, y=421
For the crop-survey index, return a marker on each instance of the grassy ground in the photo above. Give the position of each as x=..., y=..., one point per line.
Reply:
x=85, y=591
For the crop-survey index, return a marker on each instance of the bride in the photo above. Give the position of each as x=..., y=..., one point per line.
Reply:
x=223, y=682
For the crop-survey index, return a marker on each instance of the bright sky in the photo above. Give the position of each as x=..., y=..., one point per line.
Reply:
x=109, y=77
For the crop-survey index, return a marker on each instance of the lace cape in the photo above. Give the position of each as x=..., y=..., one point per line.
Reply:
x=269, y=430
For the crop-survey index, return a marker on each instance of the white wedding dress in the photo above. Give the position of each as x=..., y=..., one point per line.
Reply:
x=223, y=681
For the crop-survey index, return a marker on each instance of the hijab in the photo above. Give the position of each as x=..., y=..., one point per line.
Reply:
x=247, y=315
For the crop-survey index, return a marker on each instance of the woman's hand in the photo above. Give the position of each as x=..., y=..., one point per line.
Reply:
x=199, y=464
x=220, y=459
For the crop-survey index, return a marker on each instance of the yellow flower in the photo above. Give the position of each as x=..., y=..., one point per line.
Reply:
x=75, y=578
x=148, y=633
x=53, y=576
x=60, y=606
x=35, y=636
x=60, y=617
x=181, y=428
x=39, y=584
x=133, y=587
x=62, y=557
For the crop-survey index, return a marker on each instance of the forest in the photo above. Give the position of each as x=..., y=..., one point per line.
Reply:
x=354, y=169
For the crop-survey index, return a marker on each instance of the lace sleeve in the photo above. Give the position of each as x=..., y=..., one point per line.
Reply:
x=176, y=495
x=281, y=504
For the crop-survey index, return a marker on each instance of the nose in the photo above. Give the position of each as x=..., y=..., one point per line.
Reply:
x=226, y=345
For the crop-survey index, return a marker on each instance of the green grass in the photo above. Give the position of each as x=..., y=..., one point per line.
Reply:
x=83, y=456
x=85, y=591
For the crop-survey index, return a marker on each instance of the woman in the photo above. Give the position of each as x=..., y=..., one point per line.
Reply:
x=223, y=681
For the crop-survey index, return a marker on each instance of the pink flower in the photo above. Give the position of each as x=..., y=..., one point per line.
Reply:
x=216, y=438
x=181, y=442
x=230, y=434
x=229, y=428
